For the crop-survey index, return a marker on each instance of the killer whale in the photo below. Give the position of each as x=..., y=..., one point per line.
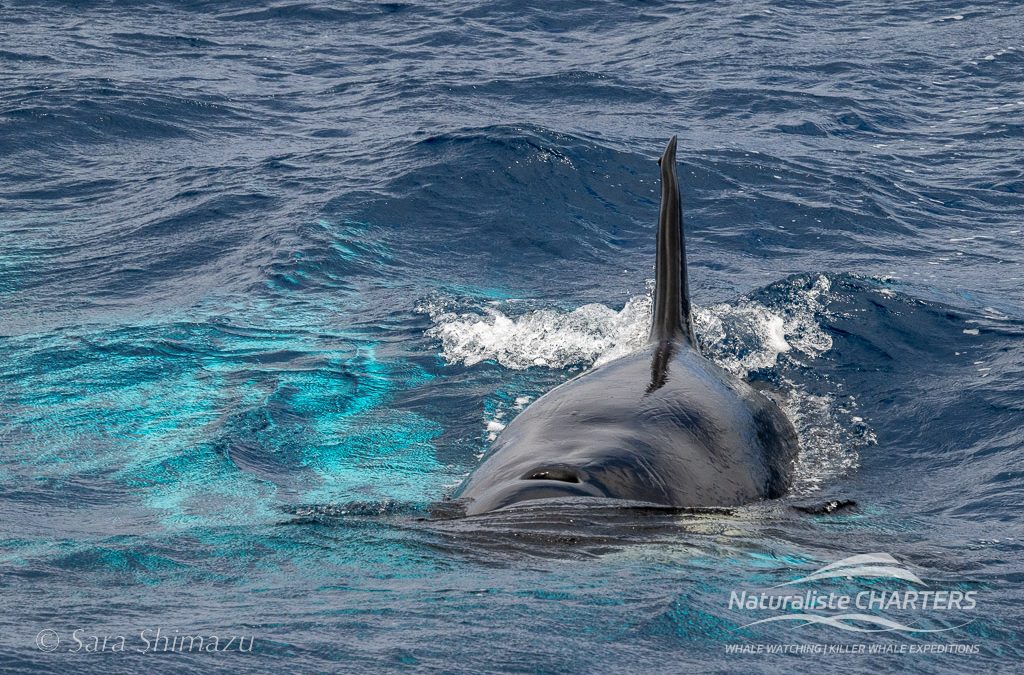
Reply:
x=662, y=425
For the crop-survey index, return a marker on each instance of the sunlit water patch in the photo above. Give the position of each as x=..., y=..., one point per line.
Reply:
x=212, y=423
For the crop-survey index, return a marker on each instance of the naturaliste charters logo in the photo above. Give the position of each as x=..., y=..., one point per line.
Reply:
x=854, y=611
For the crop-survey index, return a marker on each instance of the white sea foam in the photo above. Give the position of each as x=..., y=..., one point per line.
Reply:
x=743, y=337
x=830, y=436
x=589, y=335
x=747, y=336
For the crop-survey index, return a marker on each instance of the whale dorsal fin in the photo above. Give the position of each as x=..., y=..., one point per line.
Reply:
x=672, y=319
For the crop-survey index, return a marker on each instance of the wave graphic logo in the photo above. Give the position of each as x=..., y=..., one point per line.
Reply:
x=865, y=565
x=853, y=611
x=841, y=621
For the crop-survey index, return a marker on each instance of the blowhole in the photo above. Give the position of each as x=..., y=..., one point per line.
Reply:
x=559, y=474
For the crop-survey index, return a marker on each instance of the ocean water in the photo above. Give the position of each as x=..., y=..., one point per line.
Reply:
x=272, y=276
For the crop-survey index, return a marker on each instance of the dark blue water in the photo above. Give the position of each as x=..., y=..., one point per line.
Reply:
x=271, y=275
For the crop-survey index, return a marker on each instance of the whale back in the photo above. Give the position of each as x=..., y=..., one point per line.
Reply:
x=662, y=425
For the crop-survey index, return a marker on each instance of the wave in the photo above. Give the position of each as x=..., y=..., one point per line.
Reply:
x=841, y=621
x=865, y=565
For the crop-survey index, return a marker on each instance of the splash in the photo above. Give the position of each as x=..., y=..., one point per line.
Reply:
x=830, y=435
x=749, y=336
x=589, y=335
x=742, y=337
